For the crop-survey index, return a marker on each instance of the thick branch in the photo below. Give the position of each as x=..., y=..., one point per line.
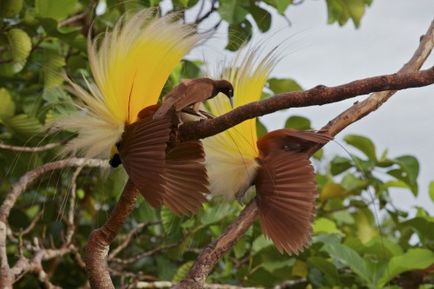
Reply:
x=207, y=259
x=100, y=239
x=318, y=95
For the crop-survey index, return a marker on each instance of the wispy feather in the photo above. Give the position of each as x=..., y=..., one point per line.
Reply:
x=130, y=66
x=231, y=155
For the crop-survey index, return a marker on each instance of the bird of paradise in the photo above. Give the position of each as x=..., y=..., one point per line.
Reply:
x=130, y=66
x=277, y=164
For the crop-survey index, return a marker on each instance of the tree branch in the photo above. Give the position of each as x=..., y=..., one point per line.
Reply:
x=100, y=239
x=209, y=256
x=318, y=95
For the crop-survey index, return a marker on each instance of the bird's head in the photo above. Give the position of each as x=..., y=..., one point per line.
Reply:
x=226, y=88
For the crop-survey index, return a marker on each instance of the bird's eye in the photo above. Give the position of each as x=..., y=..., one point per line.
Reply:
x=286, y=147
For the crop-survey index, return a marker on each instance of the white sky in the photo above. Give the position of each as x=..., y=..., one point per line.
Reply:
x=332, y=55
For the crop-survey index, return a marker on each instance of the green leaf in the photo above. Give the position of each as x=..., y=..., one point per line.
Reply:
x=261, y=16
x=280, y=5
x=282, y=85
x=298, y=122
x=20, y=44
x=182, y=271
x=365, y=230
x=410, y=171
x=260, y=243
x=356, y=9
x=332, y=190
x=342, y=10
x=24, y=125
x=238, y=34
x=214, y=214
x=55, y=9
x=233, y=11
x=190, y=69
x=260, y=128
x=7, y=107
x=350, y=258
x=413, y=259
x=431, y=190
x=326, y=267
x=10, y=8
x=324, y=225
x=53, y=69
x=363, y=144
x=339, y=165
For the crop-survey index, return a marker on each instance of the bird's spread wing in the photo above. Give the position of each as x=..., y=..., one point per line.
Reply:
x=185, y=178
x=197, y=91
x=143, y=151
x=286, y=192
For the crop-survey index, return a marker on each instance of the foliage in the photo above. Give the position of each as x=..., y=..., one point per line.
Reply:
x=351, y=247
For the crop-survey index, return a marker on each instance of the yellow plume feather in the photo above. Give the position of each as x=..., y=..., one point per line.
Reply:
x=231, y=155
x=129, y=66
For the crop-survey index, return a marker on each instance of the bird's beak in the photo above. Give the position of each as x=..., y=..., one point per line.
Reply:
x=231, y=101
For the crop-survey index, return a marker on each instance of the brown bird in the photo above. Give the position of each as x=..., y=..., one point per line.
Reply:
x=163, y=170
x=193, y=92
x=286, y=187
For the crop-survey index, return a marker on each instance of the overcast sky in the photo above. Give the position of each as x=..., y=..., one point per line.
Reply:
x=331, y=55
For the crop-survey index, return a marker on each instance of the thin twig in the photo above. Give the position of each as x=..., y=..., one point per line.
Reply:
x=9, y=275
x=29, y=149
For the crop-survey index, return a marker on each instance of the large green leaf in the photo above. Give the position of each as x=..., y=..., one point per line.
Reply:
x=413, y=259
x=353, y=260
x=364, y=144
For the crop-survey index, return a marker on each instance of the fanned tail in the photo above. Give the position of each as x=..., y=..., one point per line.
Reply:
x=143, y=152
x=286, y=193
x=185, y=178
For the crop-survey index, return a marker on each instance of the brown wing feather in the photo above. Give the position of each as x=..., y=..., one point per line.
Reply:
x=185, y=178
x=198, y=90
x=170, y=100
x=286, y=192
x=316, y=137
x=143, y=150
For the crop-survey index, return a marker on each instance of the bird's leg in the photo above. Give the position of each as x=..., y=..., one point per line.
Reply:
x=179, y=117
x=196, y=109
